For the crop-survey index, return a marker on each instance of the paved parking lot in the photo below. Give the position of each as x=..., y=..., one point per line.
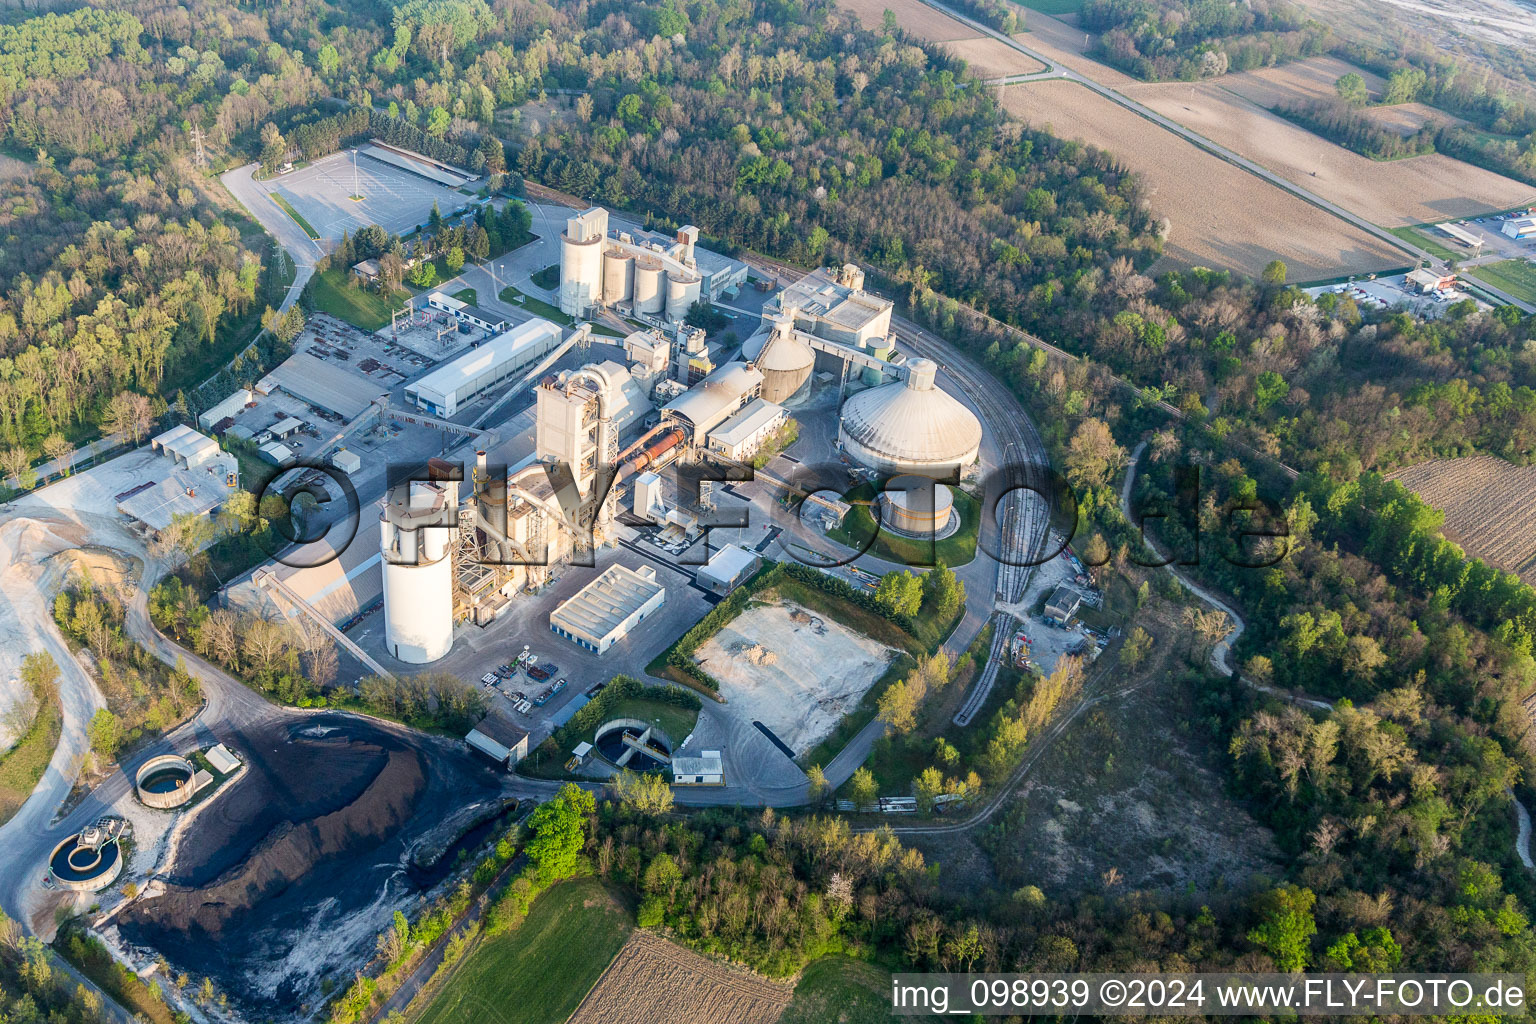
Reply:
x=395, y=200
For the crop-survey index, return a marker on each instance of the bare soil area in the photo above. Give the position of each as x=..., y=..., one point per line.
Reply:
x=1489, y=506
x=1067, y=45
x=655, y=981
x=1410, y=118
x=1221, y=216
x=1131, y=796
x=793, y=670
x=923, y=22
x=1391, y=193
x=990, y=58
x=1298, y=81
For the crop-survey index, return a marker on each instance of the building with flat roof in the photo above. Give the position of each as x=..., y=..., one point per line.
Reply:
x=831, y=303
x=727, y=569
x=743, y=434
x=1063, y=604
x=231, y=406
x=195, y=478
x=708, y=769
x=444, y=389
x=322, y=384
x=714, y=399
x=501, y=739
x=603, y=612
x=465, y=313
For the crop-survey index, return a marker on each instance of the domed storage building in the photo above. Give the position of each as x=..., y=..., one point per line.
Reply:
x=910, y=426
x=785, y=361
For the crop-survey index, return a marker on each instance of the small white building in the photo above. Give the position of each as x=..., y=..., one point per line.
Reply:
x=450, y=385
x=277, y=453
x=222, y=760
x=1519, y=227
x=603, y=612
x=464, y=313
x=348, y=462
x=728, y=569
x=499, y=738
x=232, y=405
x=708, y=769
x=743, y=434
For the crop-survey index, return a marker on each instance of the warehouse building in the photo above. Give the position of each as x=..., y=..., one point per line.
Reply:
x=451, y=385
x=1426, y=282
x=321, y=384
x=186, y=447
x=499, y=738
x=1520, y=227
x=194, y=478
x=603, y=612
x=230, y=407
x=741, y=436
x=730, y=567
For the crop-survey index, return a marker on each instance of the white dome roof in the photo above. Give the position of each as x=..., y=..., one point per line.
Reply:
x=910, y=425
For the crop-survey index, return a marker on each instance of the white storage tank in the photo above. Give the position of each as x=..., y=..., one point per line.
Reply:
x=581, y=261
x=682, y=293
x=910, y=426
x=618, y=276
x=649, y=282
x=415, y=540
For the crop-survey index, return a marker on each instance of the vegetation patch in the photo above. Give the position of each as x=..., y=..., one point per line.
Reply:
x=1513, y=277
x=298, y=218
x=535, y=305
x=839, y=988
x=23, y=765
x=548, y=278
x=539, y=972
x=332, y=291
x=859, y=526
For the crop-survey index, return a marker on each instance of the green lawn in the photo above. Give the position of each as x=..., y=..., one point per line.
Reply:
x=1429, y=244
x=331, y=293
x=676, y=722
x=859, y=525
x=1513, y=277
x=1055, y=8
x=838, y=989
x=548, y=278
x=468, y=295
x=538, y=307
x=540, y=972
x=297, y=219
x=24, y=764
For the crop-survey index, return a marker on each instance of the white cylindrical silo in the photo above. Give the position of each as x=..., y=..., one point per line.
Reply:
x=417, y=567
x=618, y=276
x=581, y=274
x=682, y=293
x=649, y=297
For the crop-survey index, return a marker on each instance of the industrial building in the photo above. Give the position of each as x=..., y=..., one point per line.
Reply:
x=580, y=415
x=466, y=314
x=603, y=612
x=441, y=391
x=727, y=569
x=209, y=419
x=322, y=384
x=740, y=437
x=910, y=426
x=708, y=769
x=1519, y=227
x=1462, y=235
x=501, y=739
x=918, y=507
x=1426, y=282
x=194, y=477
x=1062, y=605
x=647, y=275
x=831, y=303
x=713, y=400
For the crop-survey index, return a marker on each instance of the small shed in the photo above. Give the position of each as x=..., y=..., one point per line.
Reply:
x=348, y=462
x=285, y=426
x=500, y=739
x=1063, y=604
x=222, y=760
x=708, y=769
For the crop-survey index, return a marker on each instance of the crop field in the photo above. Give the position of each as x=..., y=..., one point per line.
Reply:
x=539, y=972
x=655, y=981
x=1222, y=216
x=991, y=58
x=1515, y=277
x=1489, y=506
x=913, y=17
x=1298, y=81
x=1410, y=118
x=1391, y=193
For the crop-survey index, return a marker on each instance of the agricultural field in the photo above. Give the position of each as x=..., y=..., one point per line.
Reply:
x=1410, y=118
x=1298, y=81
x=1489, y=506
x=1221, y=216
x=1514, y=277
x=655, y=981
x=836, y=988
x=912, y=16
x=1392, y=193
x=539, y=972
x=991, y=58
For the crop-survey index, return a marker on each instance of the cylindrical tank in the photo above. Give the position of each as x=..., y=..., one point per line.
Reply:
x=682, y=293
x=418, y=591
x=581, y=275
x=618, y=276
x=785, y=362
x=916, y=507
x=648, y=285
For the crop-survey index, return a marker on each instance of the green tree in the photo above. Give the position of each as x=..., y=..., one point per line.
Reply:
x=1352, y=90
x=454, y=260
x=1275, y=273
x=1268, y=388
x=862, y=789
x=106, y=733
x=900, y=593
x=437, y=122
x=559, y=829
x=1286, y=926
x=928, y=785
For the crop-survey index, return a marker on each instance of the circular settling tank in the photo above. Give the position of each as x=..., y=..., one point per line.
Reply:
x=83, y=869
x=164, y=781
x=616, y=743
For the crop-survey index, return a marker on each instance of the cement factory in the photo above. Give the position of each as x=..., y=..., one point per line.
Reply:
x=461, y=551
